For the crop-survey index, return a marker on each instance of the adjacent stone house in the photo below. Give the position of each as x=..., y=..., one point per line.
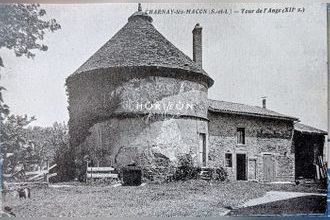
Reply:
x=140, y=100
x=250, y=142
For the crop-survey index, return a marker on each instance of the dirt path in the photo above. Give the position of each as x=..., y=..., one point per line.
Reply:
x=311, y=205
x=273, y=196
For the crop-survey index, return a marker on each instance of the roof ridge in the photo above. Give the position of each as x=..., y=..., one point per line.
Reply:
x=260, y=112
x=238, y=103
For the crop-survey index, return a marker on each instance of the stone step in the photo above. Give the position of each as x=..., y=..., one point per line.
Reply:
x=205, y=178
x=205, y=174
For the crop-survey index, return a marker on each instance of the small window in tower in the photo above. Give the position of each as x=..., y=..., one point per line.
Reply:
x=228, y=160
x=240, y=135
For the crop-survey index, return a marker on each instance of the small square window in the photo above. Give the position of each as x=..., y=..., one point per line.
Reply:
x=228, y=160
x=241, y=135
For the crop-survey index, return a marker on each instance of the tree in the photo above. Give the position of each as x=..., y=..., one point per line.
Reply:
x=47, y=140
x=14, y=146
x=22, y=28
x=64, y=155
x=52, y=144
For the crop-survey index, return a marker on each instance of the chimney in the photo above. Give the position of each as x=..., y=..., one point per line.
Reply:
x=264, y=99
x=197, y=45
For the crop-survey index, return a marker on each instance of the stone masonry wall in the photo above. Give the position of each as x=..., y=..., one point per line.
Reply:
x=95, y=99
x=262, y=136
x=152, y=143
x=151, y=121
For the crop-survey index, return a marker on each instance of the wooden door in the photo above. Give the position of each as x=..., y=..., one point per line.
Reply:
x=268, y=167
x=252, y=168
x=202, y=137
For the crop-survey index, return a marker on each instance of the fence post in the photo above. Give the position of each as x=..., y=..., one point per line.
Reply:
x=1, y=183
x=86, y=169
x=47, y=174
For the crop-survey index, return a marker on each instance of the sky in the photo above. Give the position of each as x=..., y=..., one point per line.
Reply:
x=282, y=56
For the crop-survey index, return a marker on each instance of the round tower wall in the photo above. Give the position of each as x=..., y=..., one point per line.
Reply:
x=157, y=144
x=97, y=97
x=152, y=121
x=105, y=95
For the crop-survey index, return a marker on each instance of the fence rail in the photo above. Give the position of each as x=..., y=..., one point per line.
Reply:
x=101, y=173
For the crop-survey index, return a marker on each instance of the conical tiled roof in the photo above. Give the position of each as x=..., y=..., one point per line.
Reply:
x=139, y=44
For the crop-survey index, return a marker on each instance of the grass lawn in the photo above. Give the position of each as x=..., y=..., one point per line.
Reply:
x=190, y=198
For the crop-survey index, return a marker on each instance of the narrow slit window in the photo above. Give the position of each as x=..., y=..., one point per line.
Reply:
x=228, y=160
x=241, y=135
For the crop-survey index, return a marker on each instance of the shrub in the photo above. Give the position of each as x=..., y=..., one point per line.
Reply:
x=186, y=170
x=186, y=173
x=219, y=174
x=65, y=164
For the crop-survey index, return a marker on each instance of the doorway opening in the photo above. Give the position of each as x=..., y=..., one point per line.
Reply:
x=241, y=167
x=202, y=137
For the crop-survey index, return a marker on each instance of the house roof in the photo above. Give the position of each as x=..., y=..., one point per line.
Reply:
x=242, y=109
x=139, y=44
x=308, y=129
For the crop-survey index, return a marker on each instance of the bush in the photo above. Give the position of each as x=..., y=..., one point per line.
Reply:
x=186, y=173
x=65, y=169
x=219, y=174
x=186, y=170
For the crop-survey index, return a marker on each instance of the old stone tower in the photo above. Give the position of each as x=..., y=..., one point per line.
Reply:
x=140, y=99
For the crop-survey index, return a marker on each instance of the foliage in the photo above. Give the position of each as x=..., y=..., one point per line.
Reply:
x=52, y=146
x=4, y=109
x=26, y=148
x=186, y=170
x=47, y=139
x=219, y=174
x=22, y=27
x=15, y=148
x=64, y=158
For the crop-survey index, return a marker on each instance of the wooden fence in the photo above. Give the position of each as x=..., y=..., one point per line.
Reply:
x=101, y=173
x=321, y=169
x=22, y=176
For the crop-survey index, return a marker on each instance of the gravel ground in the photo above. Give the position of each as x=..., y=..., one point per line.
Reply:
x=191, y=198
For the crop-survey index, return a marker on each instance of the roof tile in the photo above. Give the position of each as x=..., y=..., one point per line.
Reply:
x=139, y=44
x=242, y=109
x=308, y=129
